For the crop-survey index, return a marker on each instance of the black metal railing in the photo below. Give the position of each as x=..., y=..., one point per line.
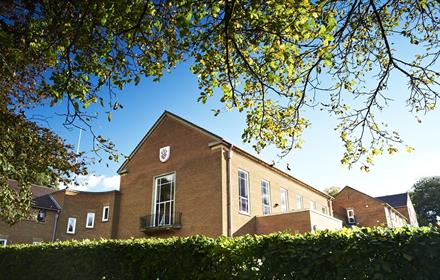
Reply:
x=160, y=221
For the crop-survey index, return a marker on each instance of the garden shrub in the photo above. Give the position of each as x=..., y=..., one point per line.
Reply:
x=362, y=253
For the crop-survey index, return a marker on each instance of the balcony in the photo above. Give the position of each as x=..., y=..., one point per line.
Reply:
x=159, y=222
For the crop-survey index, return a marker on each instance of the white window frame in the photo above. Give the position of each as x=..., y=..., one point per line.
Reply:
x=104, y=209
x=266, y=207
x=299, y=202
x=324, y=209
x=350, y=217
x=74, y=225
x=171, y=201
x=5, y=242
x=284, y=192
x=36, y=242
x=92, y=215
x=243, y=196
x=312, y=204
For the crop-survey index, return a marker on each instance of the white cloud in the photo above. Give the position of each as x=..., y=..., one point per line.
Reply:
x=95, y=183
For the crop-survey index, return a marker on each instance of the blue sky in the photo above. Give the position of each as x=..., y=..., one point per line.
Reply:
x=317, y=163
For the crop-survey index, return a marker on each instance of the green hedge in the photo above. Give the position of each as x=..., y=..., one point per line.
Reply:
x=347, y=254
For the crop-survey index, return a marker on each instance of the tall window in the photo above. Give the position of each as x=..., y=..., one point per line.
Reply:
x=105, y=213
x=313, y=205
x=243, y=191
x=284, y=200
x=265, y=195
x=324, y=209
x=299, y=202
x=164, y=200
x=71, y=225
x=90, y=220
x=350, y=216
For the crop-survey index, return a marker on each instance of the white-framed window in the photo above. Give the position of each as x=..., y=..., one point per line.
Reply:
x=41, y=216
x=265, y=196
x=284, y=198
x=388, y=216
x=3, y=242
x=299, y=201
x=163, y=211
x=324, y=209
x=90, y=220
x=350, y=216
x=36, y=242
x=105, y=213
x=243, y=192
x=71, y=225
x=312, y=204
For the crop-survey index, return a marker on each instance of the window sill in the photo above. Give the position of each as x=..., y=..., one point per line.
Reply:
x=244, y=213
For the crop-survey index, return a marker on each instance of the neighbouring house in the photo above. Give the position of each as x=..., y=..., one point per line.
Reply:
x=402, y=203
x=356, y=208
x=183, y=180
x=41, y=227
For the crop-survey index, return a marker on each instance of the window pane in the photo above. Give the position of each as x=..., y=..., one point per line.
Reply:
x=284, y=201
x=165, y=192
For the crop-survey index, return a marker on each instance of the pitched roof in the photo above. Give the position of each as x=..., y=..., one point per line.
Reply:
x=220, y=141
x=41, y=197
x=46, y=202
x=36, y=190
x=395, y=200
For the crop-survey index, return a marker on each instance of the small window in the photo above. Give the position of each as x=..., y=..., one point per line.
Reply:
x=313, y=205
x=350, y=216
x=71, y=225
x=324, y=210
x=41, y=216
x=36, y=242
x=243, y=192
x=105, y=213
x=299, y=202
x=3, y=242
x=284, y=200
x=265, y=195
x=90, y=221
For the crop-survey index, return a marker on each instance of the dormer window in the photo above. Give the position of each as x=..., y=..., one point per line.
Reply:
x=350, y=216
x=41, y=216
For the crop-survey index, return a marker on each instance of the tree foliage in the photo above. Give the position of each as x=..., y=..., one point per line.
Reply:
x=270, y=59
x=333, y=191
x=30, y=154
x=426, y=199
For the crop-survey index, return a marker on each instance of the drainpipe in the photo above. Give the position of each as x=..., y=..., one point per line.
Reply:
x=55, y=223
x=228, y=189
x=330, y=204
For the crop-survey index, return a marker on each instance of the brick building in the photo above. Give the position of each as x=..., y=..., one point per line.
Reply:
x=183, y=180
x=356, y=208
x=402, y=203
x=41, y=227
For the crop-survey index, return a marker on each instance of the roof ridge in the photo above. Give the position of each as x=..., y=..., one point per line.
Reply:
x=222, y=141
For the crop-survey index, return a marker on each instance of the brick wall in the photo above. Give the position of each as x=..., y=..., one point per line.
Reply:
x=258, y=172
x=77, y=205
x=198, y=181
x=368, y=211
x=29, y=231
